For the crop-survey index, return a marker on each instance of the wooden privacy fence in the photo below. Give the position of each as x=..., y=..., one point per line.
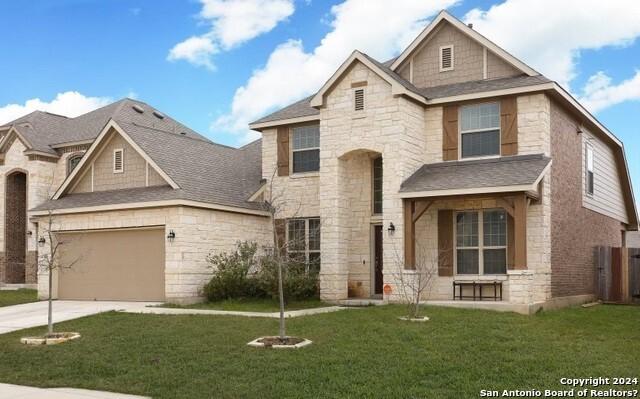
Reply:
x=618, y=274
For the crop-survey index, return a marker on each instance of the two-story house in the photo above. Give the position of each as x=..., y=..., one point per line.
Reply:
x=454, y=154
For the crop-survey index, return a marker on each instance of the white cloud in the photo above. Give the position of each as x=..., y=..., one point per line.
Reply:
x=233, y=22
x=196, y=50
x=549, y=35
x=599, y=93
x=69, y=103
x=290, y=73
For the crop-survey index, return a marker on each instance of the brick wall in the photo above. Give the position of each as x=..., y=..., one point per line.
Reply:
x=15, y=231
x=575, y=230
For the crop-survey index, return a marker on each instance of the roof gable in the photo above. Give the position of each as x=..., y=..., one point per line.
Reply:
x=111, y=128
x=399, y=86
x=443, y=17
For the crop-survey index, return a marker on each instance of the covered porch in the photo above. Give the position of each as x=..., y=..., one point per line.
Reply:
x=475, y=223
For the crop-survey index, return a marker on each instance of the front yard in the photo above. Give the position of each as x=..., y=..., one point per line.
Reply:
x=252, y=305
x=16, y=297
x=356, y=353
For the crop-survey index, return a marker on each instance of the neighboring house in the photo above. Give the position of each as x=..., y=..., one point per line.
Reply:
x=138, y=198
x=633, y=239
x=454, y=153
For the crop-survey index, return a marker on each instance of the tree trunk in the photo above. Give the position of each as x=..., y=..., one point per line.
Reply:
x=50, y=312
x=281, y=295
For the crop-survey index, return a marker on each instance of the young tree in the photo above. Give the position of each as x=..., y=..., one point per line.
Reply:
x=51, y=260
x=415, y=284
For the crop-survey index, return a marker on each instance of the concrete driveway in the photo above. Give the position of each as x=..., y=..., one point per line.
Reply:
x=8, y=391
x=34, y=314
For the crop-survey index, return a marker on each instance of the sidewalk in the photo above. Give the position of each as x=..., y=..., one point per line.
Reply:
x=8, y=391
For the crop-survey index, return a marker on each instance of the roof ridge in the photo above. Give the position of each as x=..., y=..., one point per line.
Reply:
x=209, y=142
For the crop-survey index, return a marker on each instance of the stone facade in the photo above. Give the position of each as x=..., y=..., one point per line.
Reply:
x=199, y=232
x=40, y=184
x=576, y=231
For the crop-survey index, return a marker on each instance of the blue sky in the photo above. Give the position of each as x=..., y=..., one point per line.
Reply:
x=106, y=50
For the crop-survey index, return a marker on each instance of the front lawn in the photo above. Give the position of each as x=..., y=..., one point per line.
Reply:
x=357, y=353
x=16, y=297
x=252, y=305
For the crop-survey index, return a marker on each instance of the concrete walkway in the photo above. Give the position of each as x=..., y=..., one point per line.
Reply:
x=8, y=391
x=34, y=314
x=272, y=315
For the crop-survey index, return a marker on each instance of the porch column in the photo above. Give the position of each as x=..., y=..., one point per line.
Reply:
x=520, y=205
x=409, y=234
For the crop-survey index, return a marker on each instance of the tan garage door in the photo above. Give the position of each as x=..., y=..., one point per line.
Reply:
x=125, y=265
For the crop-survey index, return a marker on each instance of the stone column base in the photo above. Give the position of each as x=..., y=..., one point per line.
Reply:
x=334, y=286
x=520, y=286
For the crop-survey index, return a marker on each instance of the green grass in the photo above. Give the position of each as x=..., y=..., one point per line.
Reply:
x=251, y=305
x=16, y=297
x=357, y=353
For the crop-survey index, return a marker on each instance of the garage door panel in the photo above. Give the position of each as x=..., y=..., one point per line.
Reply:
x=112, y=265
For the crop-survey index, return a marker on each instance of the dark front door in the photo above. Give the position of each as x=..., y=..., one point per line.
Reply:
x=378, y=280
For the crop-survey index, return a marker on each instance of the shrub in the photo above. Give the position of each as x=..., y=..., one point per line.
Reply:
x=231, y=274
x=297, y=282
x=244, y=274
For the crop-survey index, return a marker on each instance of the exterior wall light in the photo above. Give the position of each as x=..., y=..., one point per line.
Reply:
x=29, y=233
x=392, y=228
x=171, y=236
x=42, y=241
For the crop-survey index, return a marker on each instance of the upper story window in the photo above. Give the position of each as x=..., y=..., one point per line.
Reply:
x=481, y=242
x=480, y=130
x=358, y=100
x=589, y=174
x=306, y=148
x=446, y=58
x=377, y=186
x=72, y=162
x=118, y=161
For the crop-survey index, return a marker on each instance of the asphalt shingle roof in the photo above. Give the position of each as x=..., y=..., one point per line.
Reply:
x=495, y=172
x=303, y=107
x=43, y=130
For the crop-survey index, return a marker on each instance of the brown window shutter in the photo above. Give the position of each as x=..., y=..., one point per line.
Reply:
x=445, y=242
x=450, y=133
x=280, y=244
x=509, y=126
x=283, y=151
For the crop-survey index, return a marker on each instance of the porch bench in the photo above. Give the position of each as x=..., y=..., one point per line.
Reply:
x=497, y=289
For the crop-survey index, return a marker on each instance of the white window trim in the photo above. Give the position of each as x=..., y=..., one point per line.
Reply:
x=364, y=100
x=460, y=132
x=480, y=247
x=292, y=172
x=306, y=251
x=450, y=46
x=121, y=151
x=589, y=148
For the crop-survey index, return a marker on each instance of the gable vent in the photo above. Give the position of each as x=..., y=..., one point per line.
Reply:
x=118, y=161
x=446, y=58
x=158, y=114
x=137, y=108
x=359, y=99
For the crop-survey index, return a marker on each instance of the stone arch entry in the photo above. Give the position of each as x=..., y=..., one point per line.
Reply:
x=16, y=227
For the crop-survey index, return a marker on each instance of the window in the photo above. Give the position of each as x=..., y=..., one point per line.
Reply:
x=377, y=186
x=306, y=149
x=480, y=130
x=118, y=161
x=358, y=99
x=303, y=242
x=72, y=162
x=487, y=255
x=446, y=58
x=589, y=177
